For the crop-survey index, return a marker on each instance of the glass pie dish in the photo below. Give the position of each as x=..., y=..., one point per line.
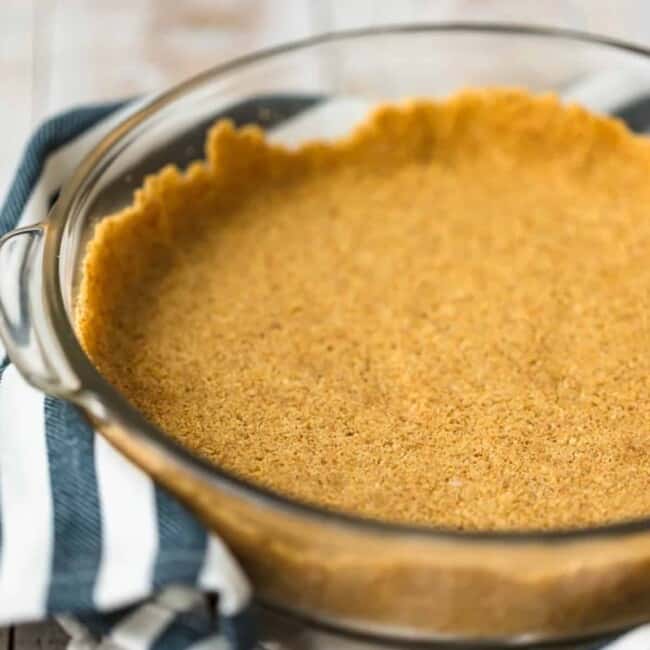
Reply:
x=395, y=583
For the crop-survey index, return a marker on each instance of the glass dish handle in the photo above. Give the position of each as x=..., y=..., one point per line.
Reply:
x=24, y=327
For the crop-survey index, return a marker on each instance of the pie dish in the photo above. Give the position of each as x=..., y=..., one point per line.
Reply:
x=394, y=582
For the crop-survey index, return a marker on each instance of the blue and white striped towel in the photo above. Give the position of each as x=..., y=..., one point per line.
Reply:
x=84, y=534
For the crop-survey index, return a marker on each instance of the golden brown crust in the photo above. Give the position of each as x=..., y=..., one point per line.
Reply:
x=440, y=319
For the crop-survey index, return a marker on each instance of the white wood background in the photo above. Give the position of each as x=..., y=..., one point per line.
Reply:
x=58, y=53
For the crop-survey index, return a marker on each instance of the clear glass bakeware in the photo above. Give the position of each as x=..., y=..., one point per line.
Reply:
x=396, y=583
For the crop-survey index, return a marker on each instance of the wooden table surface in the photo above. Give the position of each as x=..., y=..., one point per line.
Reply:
x=57, y=53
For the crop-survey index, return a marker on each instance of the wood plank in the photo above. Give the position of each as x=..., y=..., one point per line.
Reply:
x=626, y=19
x=4, y=638
x=15, y=83
x=39, y=636
x=41, y=58
x=161, y=42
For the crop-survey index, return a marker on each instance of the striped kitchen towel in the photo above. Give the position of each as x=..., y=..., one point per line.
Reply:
x=84, y=534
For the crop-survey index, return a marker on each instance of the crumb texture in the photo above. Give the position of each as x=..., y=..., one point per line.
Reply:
x=443, y=318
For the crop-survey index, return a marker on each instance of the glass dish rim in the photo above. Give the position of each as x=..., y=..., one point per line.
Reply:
x=98, y=396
